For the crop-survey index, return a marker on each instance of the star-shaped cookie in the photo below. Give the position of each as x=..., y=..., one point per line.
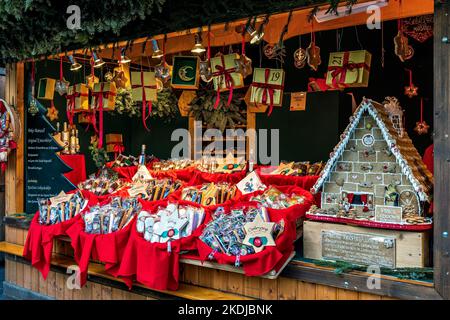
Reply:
x=170, y=226
x=258, y=233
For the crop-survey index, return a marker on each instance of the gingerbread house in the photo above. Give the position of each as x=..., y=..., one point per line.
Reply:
x=375, y=167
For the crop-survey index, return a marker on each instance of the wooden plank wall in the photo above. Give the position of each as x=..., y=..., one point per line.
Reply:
x=441, y=148
x=281, y=289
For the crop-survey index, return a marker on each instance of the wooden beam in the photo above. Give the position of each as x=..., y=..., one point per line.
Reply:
x=179, y=41
x=442, y=150
x=14, y=175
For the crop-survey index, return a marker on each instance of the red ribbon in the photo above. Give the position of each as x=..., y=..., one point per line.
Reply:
x=99, y=102
x=145, y=102
x=117, y=149
x=339, y=73
x=268, y=90
x=60, y=68
x=226, y=73
x=421, y=109
x=71, y=103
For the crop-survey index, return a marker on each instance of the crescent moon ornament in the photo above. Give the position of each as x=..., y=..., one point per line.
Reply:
x=182, y=73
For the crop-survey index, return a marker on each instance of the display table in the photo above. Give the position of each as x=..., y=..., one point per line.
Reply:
x=78, y=163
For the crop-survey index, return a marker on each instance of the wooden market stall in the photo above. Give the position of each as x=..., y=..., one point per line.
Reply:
x=299, y=278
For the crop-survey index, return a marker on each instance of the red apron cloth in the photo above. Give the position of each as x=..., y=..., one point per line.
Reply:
x=257, y=264
x=293, y=212
x=155, y=265
x=78, y=163
x=39, y=243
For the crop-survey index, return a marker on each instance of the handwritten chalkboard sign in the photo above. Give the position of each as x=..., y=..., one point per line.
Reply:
x=44, y=170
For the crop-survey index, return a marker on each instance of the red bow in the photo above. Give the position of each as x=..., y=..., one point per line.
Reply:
x=99, y=101
x=117, y=149
x=226, y=73
x=71, y=104
x=268, y=90
x=341, y=71
x=145, y=103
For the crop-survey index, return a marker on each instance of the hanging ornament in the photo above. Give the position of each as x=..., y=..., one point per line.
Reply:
x=120, y=79
x=269, y=51
x=411, y=90
x=108, y=76
x=421, y=126
x=205, y=66
x=61, y=85
x=162, y=70
x=300, y=55
x=419, y=28
x=402, y=49
x=91, y=79
x=52, y=113
x=243, y=63
x=33, y=108
x=313, y=52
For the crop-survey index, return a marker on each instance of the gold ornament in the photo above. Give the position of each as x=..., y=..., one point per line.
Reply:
x=52, y=113
x=411, y=91
x=182, y=73
x=421, y=127
x=300, y=58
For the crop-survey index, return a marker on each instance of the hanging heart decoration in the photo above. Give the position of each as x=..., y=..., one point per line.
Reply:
x=419, y=28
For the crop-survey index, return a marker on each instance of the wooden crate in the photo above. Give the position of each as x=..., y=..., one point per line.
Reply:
x=411, y=248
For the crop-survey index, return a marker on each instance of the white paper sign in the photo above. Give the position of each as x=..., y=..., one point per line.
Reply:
x=250, y=183
x=142, y=174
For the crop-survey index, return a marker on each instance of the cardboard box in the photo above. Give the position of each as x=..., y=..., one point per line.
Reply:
x=265, y=79
x=349, y=69
x=78, y=96
x=150, y=87
x=106, y=91
x=225, y=64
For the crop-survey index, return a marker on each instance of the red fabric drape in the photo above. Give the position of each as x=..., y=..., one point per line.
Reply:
x=271, y=258
x=155, y=264
x=39, y=243
x=293, y=212
x=107, y=248
x=201, y=177
x=78, y=163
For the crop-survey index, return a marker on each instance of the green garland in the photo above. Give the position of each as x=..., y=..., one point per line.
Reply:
x=422, y=274
x=36, y=27
x=99, y=156
x=166, y=105
x=125, y=105
x=224, y=116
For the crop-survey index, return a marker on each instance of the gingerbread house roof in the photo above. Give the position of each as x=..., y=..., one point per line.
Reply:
x=397, y=140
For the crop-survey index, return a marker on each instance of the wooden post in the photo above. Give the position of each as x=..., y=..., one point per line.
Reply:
x=14, y=175
x=442, y=150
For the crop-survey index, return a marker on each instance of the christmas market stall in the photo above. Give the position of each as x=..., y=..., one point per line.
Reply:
x=241, y=150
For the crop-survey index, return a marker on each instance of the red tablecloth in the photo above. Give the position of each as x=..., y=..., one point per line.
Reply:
x=78, y=163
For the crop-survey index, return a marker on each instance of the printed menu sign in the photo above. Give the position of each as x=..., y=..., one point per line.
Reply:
x=44, y=170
